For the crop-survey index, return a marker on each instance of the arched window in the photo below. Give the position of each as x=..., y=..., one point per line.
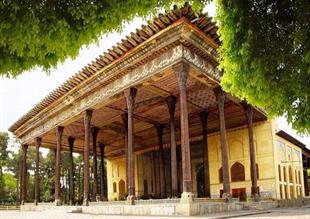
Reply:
x=221, y=175
x=237, y=172
x=299, y=176
x=290, y=174
x=296, y=177
x=284, y=175
x=279, y=170
x=114, y=187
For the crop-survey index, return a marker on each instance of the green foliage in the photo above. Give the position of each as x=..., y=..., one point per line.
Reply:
x=265, y=55
x=45, y=33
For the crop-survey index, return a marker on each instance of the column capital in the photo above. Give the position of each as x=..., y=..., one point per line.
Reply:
x=204, y=116
x=181, y=70
x=38, y=141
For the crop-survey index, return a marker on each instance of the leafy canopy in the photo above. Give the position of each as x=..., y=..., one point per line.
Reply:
x=44, y=33
x=265, y=55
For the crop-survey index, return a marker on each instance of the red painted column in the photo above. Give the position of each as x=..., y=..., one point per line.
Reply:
x=24, y=175
x=130, y=95
x=220, y=97
x=249, y=114
x=71, y=171
x=87, y=120
x=59, y=132
x=153, y=158
x=171, y=101
x=181, y=70
x=204, y=122
x=94, y=132
x=37, y=172
x=159, y=129
x=102, y=172
x=125, y=131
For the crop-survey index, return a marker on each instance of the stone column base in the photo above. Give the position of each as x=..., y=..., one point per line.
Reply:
x=57, y=202
x=130, y=200
x=227, y=197
x=187, y=207
x=187, y=197
x=85, y=202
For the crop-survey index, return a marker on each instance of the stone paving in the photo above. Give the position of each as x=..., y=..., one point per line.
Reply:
x=291, y=213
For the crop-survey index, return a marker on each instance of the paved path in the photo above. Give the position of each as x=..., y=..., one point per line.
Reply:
x=285, y=213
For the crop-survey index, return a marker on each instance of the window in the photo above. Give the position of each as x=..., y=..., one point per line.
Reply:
x=257, y=171
x=114, y=187
x=237, y=172
x=290, y=174
x=284, y=174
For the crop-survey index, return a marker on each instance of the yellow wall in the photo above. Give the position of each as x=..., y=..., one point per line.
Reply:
x=266, y=142
x=238, y=147
x=288, y=158
x=116, y=171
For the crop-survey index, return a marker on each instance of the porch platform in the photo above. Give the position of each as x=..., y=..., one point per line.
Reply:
x=157, y=207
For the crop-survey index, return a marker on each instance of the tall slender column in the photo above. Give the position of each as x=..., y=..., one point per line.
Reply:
x=71, y=171
x=87, y=120
x=37, y=172
x=125, y=131
x=59, y=132
x=94, y=132
x=159, y=129
x=153, y=158
x=24, y=175
x=249, y=114
x=181, y=70
x=171, y=101
x=130, y=95
x=102, y=172
x=220, y=97
x=204, y=122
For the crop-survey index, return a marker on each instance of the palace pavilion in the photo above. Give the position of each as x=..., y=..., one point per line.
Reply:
x=151, y=115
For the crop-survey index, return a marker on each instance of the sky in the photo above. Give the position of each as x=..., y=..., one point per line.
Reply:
x=18, y=96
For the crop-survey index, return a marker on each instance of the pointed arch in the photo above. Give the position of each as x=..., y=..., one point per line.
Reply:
x=237, y=172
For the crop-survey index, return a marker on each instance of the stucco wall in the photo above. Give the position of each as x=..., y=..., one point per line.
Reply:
x=265, y=142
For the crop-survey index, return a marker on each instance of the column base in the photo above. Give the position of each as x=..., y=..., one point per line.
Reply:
x=227, y=197
x=187, y=197
x=174, y=194
x=255, y=197
x=130, y=200
x=36, y=202
x=97, y=198
x=85, y=202
x=57, y=202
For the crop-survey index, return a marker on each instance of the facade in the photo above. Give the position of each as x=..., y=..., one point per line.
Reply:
x=153, y=109
x=278, y=162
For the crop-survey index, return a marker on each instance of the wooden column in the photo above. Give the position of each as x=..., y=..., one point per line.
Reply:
x=87, y=120
x=125, y=132
x=249, y=115
x=171, y=101
x=204, y=122
x=71, y=171
x=59, y=132
x=24, y=175
x=220, y=97
x=162, y=177
x=37, y=172
x=153, y=158
x=181, y=71
x=94, y=132
x=130, y=95
x=102, y=172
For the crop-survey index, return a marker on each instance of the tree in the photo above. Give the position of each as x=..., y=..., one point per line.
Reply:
x=4, y=139
x=45, y=33
x=265, y=55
